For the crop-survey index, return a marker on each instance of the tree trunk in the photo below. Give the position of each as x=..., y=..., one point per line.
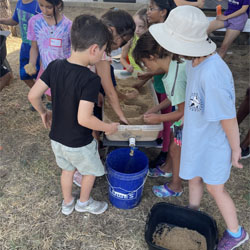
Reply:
x=5, y=11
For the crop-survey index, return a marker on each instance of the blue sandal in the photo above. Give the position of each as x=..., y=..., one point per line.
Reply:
x=157, y=172
x=165, y=191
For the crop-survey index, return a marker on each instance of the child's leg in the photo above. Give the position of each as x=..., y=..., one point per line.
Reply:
x=168, y=165
x=175, y=154
x=195, y=192
x=66, y=184
x=173, y=188
x=230, y=36
x=243, y=110
x=225, y=205
x=214, y=25
x=29, y=82
x=86, y=187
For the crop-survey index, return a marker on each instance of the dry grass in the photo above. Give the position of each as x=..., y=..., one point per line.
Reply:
x=30, y=195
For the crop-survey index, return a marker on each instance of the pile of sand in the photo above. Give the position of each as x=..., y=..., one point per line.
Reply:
x=177, y=238
x=133, y=108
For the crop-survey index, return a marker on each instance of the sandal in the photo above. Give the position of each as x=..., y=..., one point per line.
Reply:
x=157, y=172
x=165, y=191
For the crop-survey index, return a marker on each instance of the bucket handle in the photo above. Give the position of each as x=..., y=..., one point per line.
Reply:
x=129, y=190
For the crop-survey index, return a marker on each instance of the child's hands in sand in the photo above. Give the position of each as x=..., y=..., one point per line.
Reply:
x=113, y=127
x=152, y=110
x=144, y=76
x=123, y=120
x=138, y=85
x=30, y=69
x=152, y=118
x=132, y=94
x=47, y=119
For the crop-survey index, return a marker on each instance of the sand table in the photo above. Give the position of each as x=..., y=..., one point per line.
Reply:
x=178, y=238
x=133, y=108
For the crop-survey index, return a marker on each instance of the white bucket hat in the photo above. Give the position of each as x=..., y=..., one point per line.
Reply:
x=184, y=32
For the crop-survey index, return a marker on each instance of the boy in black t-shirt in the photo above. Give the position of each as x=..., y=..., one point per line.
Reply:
x=74, y=90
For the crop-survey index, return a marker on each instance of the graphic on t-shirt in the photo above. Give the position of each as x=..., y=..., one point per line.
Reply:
x=233, y=2
x=195, y=102
x=24, y=17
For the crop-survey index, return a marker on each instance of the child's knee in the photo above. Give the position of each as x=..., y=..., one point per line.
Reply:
x=215, y=189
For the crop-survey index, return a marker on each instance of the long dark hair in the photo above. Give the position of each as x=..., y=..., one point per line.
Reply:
x=165, y=5
x=121, y=20
x=56, y=3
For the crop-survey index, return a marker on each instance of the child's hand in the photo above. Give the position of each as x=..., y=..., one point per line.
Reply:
x=152, y=118
x=200, y=3
x=130, y=69
x=113, y=127
x=144, y=76
x=236, y=156
x=139, y=85
x=47, y=118
x=123, y=120
x=152, y=110
x=30, y=69
x=133, y=94
x=221, y=18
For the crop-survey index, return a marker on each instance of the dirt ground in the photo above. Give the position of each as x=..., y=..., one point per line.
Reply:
x=30, y=195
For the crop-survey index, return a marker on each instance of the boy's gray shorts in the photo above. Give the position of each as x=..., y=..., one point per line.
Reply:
x=85, y=159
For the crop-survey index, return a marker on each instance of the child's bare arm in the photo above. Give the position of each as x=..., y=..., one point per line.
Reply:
x=31, y=67
x=8, y=21
x=242, y=10
x=230, y=126
x=164, y=104
x=103, y=70
x=169, y=117
x=35, y=98
x=198, y=3
x=88, y=120
x=123, y=59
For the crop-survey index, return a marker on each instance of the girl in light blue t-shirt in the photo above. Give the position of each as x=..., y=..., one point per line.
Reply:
x=150, y=54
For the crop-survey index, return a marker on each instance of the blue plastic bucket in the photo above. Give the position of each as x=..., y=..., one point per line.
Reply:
x=126, y=176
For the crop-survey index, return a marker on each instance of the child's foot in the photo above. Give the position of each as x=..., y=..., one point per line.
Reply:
x=93, y=207
x=245, y=153
x=157, y=172
x=67, y=209
x=77, y=179
x=228, y=242
x=165, y=191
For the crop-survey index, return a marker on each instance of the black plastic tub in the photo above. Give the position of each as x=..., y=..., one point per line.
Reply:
x=174, y=215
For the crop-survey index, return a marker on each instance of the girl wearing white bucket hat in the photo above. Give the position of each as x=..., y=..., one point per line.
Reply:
x=210, y=143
